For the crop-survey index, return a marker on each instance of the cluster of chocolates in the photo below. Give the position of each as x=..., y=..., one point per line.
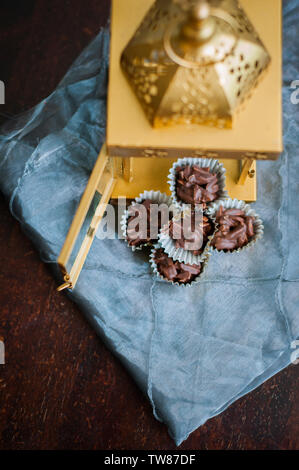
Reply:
x=174, y=270
x=235, y=229
x=190, y=235
x=192, y=230
x=196, y=185
x=135, y=236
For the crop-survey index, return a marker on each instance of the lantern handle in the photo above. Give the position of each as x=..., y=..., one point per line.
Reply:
x=197, y=30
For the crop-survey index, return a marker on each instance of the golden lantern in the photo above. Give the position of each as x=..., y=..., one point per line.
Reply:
x=189, y=63
x=194, y=61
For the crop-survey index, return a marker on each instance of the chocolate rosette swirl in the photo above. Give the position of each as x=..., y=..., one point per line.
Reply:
x=196, y=185
x=238, y=226
x=188, y=236
x=197, y=182
x=174, y=272
x=134, y=235
x=196, y=240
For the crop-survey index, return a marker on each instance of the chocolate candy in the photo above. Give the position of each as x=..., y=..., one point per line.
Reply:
x=153, y=224
x=174, y=270
x=196, y=185
x=190, y=235
x=235, y=229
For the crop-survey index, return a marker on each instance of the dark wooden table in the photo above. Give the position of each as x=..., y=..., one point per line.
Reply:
x=61, y=388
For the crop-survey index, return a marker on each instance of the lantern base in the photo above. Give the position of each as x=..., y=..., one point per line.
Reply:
x=140, y=174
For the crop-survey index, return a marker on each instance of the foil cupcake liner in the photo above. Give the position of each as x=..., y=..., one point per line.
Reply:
x=215, y=167
x=153, y=264
x=180, y=254
x=236, y=204
x=155, y=196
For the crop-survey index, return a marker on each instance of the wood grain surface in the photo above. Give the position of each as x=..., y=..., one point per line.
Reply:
x=60, y=387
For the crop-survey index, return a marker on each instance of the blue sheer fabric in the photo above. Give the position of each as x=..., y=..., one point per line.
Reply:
x=192, y=351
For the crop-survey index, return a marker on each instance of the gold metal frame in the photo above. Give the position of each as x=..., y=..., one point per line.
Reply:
x=71, y=276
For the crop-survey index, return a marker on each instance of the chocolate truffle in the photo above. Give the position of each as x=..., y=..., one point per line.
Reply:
x=152, y=224
x=189, y=235
x=174, y=270
x=196, y=185
x=235, y=229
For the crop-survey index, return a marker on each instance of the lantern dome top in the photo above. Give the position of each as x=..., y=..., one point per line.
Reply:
x=194, y=61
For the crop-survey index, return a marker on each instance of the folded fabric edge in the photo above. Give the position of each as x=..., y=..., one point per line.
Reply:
x=283, y=361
